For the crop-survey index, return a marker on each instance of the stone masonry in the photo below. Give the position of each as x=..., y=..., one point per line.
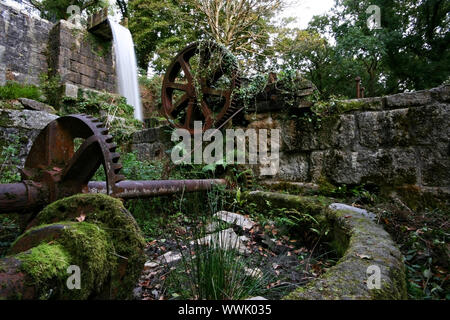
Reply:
x=403, y=139
x=23, y=45
x=31, y=47
x=80, y=58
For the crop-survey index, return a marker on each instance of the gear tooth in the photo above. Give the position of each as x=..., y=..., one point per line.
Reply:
x=112, y=147
x=117, y=167
x=115, y=157
x=109, y=138
x=119, y=177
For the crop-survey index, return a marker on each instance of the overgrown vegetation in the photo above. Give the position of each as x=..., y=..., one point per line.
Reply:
x=116, y=114
x=423, y=237
x=9, y=160
x=14, y=90
x=212, y=270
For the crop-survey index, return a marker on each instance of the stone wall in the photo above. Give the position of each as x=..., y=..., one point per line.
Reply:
x=30, y=47
x=388, y=141
x=81, y=59
x=20, y=127
x=23, y=45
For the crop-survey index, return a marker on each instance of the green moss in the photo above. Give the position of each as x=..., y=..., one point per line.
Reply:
x=268, y=200
x=98, y=45
x=46, y=265
x=364, y=244
x=110, y=215
x=90, y=249
x=325, y=187
x=5, y=121
x=350, y=105
x=15, y=90
x=80, y=243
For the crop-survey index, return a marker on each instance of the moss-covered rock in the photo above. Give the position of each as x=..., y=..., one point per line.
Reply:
x=81, y=244
x=364, y=244
x=357, y=239
x=96, y=233
x=270, y=200
x=111, y=216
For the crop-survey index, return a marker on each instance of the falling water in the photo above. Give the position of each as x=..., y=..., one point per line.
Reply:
x=126, y=67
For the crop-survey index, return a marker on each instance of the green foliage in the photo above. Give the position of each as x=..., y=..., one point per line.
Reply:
x=248, y=93
x=409, y=52
x=14, y=90
x=99, y=45
x=9, y=231
x=151, y=96
x=423, y=239
x=116, y=114
x=214, y=271
x=55, y=10
x=9, y=160
x=160, y=28
x=52, y=89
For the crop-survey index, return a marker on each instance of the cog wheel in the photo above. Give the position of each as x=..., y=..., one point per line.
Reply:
x=199, y=86
x=53, y=160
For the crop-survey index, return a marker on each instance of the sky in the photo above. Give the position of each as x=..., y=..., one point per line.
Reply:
x=304, y=10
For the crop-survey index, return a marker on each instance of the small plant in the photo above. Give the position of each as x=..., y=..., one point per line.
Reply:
x=14, y=90
x=9, y=231
x=9, y=161
x=52, y=89
x=212, y=267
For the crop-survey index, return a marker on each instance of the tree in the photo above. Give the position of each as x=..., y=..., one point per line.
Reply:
x=162, y=28
x=55, y=10
x=310, y=52
x=243, y=26
x=410, y=51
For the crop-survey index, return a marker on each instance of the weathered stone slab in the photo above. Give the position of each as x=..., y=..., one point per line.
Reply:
x=411, y=99
x=366, y=248
x=430, y=125
x=26, y=119
x=235, y=218
x=441, y=93
x=22, y=42
x=363, y=212
x=293, y=167
x=226, y=239
x=36, y=105
x=384, y=129
x=381, y=167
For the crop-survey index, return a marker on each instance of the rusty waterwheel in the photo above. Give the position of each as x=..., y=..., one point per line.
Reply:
x=54, y=160
x=199, y=86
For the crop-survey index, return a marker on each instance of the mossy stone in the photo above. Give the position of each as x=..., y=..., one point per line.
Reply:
x=109, y=214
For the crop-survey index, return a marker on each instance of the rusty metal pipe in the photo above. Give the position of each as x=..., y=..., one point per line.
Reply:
x=20, y=196
x=16, y=197
x=150, y=188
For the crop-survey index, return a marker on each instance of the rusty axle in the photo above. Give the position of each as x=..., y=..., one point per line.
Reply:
x=28, y=194
x=150, y=188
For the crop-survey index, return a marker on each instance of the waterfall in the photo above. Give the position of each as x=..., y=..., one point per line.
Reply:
x=126, y=67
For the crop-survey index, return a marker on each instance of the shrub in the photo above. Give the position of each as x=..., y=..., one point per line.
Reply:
x=14, y=90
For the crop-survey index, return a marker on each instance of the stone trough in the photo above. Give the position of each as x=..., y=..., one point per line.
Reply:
x=370, y=264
